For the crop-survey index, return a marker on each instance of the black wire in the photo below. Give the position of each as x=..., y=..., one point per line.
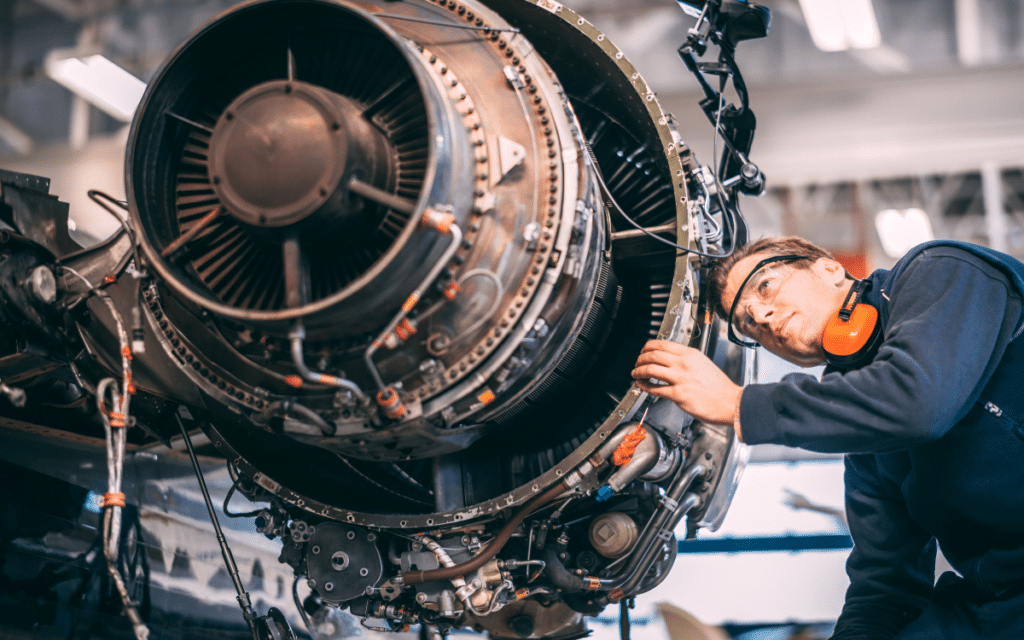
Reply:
x=621, y=212
x=624, y=619
x=729, y=213
x=95, y=195
x=227, y=498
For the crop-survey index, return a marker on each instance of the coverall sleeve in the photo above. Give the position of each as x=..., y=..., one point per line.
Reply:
x=892, y=565
x=948, y=328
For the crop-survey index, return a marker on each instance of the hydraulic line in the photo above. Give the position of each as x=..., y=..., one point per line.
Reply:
x=116, y=421
x=296, y=337
x=689, y=502
x=444, y=224
x=302, y=610
x=287, y=407
x=493, y=547
x=462, y=590
x=673, y=507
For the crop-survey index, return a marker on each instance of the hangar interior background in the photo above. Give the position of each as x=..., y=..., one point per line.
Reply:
x=920, y=133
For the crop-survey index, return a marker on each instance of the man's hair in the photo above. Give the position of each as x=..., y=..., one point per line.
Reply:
x=772, y=246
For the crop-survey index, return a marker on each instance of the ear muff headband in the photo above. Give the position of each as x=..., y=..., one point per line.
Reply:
x=852, y=335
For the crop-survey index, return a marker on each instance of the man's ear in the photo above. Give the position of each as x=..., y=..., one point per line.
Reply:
x=831, y=271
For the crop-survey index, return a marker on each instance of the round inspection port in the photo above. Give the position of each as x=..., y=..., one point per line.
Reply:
x=339, y=561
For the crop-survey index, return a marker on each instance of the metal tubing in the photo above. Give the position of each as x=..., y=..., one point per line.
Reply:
x=689, y=502
x=297, y=337
x=415, y=296
x=462, y=590
x=493, y=547
x=648, y=451
x=651, y=533
x=285, y=407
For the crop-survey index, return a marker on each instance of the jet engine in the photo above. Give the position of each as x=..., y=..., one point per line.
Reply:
x=396, y=260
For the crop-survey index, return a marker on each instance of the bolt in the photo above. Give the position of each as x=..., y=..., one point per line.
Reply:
x=315, y=550
x=329, y=586
x=421, y=597
x=364, y=572
x=707, y=455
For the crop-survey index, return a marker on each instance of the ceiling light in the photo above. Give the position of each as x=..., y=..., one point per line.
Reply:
x=99, y=81
x=837, y=25
x=901, y=230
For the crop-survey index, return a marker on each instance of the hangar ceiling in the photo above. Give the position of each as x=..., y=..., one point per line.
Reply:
x=938, y=96
x=927, y=46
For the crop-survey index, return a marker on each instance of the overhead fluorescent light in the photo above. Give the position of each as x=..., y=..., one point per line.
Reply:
x=838, y=25
x=98, y=81
x=901, y=230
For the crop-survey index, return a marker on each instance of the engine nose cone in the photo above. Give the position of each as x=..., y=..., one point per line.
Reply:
x=278, y=152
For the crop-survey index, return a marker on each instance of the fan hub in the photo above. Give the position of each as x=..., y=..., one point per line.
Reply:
x=278, y=152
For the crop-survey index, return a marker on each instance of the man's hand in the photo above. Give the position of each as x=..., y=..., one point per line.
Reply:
x=692, y=381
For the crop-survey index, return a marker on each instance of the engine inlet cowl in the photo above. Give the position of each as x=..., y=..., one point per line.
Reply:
x=383, y=256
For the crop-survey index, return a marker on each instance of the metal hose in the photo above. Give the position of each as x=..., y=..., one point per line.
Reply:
x=287, y=407
x=645, y=546
x=493, y=547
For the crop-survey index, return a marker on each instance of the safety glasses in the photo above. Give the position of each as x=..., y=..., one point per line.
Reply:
x=765, y=287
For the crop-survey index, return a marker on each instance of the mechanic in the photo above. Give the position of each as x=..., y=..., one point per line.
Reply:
x=931, y=417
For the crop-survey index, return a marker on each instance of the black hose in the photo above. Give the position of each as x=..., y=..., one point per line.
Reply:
x=560, y=576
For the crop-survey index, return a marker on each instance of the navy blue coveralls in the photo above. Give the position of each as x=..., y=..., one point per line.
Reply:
x=933, y=427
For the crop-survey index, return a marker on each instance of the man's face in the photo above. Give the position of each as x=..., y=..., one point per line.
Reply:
x=785, y=305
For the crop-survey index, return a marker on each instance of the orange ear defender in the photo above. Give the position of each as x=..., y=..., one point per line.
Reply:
x=852, y=335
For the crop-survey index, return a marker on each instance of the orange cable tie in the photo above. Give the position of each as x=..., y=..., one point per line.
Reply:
x=113, y=500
